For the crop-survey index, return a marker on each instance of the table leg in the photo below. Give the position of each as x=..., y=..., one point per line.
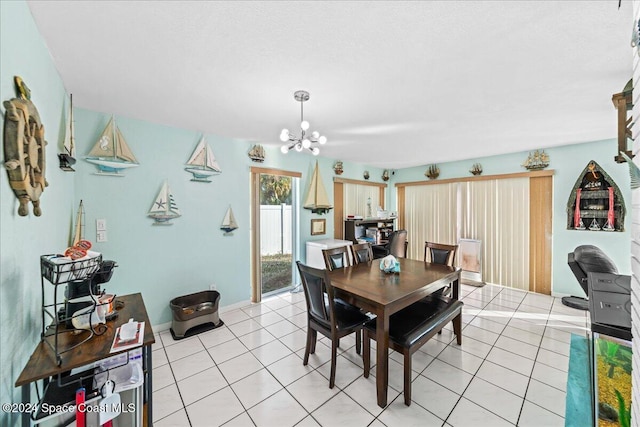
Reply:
x=26, y=398
x=382, y=357
x=148, y=385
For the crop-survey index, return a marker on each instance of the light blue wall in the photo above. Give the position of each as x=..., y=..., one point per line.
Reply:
x=567, y=162
x=166, y=262
x=24, y=239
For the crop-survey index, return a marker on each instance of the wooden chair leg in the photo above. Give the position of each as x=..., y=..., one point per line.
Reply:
x=407, y=377
x=310, y=343
x=358, y=342
x=334, y=356
x=366, y=352
x=314, y=340
x=457, y=328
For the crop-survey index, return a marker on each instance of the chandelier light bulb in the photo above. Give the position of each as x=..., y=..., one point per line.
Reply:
x=306, y=143
x=304, y=125
x=322, y=140
x=284, y=149
x=284, y=135
x=298, y=147
x=315, y=135
x=315, y=151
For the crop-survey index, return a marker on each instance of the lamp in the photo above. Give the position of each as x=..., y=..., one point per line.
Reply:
x=305, y=141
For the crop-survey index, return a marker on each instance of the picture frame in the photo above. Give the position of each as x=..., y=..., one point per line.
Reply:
x=318, y=226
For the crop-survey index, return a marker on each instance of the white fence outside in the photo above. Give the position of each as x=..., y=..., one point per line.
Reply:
x=275, y=229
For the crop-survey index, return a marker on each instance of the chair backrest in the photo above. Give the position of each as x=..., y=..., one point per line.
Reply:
x=336, y=257
x=587, y=259
x=316, y=285
x=398, y=244
x=438, y=253
x=361, y=252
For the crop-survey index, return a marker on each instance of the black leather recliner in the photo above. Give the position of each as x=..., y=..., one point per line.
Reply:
x=583, y=260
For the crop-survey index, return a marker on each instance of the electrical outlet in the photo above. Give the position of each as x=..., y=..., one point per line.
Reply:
x=101, y=225
x=212, y=287
x=101, y=236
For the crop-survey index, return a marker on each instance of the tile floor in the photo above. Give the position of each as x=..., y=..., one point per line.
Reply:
x=510, y=370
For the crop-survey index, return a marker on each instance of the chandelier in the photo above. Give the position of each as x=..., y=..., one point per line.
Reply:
x=303, y=141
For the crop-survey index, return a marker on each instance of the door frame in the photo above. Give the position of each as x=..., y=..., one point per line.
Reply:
x=338, y=201
x=540, y=220
x=256, y=274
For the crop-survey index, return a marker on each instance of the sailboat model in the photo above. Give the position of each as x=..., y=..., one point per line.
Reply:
x=229, y=222
x=164, y=207
x=79, y=229
x=67, y=159
x=256, y=154
x=202, y=163
x=111, y=153
x=317, y=199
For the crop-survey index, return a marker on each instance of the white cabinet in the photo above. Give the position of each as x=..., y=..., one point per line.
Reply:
x=315, y=247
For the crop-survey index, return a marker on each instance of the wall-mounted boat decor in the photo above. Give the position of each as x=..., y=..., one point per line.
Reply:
x=78, y=231
x=24, y=149
x=229, y=222
x=67, y=157
x=337, y=168
x=595, y=202
x=476, y=169
x=256, y=154
x=432, y=172
x=317, y=199
x=111, y=154
x=202, y=163
x=164, y=207
x=536, y=161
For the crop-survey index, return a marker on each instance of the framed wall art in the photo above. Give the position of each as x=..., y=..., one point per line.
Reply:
x=318, y=226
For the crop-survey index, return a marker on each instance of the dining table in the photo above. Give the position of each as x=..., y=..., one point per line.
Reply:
x=368, y=287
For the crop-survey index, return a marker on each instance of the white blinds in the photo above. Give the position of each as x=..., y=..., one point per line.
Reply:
x=431, y=216
x=356, y=196
x=497, y=213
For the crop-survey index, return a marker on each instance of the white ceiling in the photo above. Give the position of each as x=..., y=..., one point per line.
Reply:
x=393, y=84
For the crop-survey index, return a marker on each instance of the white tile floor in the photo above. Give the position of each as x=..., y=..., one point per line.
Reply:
x=510, y=370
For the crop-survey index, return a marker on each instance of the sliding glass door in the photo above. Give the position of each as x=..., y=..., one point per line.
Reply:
x=275, y=231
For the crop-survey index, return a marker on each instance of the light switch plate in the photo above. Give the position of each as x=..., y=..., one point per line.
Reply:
x=101, y=236
x=101, y=224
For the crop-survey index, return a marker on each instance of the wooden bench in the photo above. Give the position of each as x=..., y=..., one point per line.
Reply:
x=412, y=327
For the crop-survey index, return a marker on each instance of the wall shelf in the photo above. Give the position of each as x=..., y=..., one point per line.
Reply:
x=600, y=206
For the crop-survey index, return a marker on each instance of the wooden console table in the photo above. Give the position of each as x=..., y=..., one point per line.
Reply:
x=42, y=363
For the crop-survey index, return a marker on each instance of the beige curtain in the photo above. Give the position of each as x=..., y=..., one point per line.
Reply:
x=497, y=213
x=356, y=197
x=432, y=212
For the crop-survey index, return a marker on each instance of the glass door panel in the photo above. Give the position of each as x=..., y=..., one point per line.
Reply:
x=277, y=218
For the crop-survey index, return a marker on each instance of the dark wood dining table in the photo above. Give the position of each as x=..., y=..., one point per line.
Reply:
x=366, y=286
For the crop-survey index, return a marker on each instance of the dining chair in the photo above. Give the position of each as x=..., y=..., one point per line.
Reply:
x=412, y=327
x=396, y=246
x=336, y=257
x=439, y=253
x=361, y=252
x=333, y=319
